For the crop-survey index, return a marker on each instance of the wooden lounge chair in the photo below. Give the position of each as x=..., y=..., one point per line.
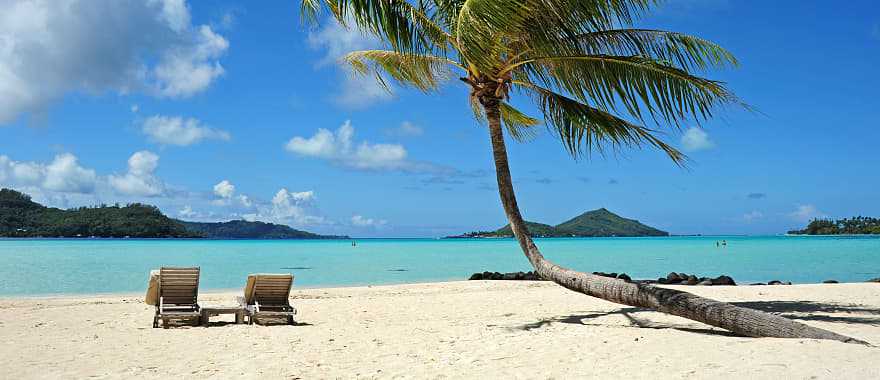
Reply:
x=267, y=296
x=178, y=292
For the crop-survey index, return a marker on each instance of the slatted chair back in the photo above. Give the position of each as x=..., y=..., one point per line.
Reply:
x=269, y=289
x=179, y=286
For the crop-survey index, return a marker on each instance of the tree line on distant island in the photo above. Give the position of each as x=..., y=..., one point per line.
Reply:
x=859, y=225
x=23, y=218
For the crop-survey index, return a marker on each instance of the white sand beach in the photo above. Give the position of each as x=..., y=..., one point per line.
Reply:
x=469, y=329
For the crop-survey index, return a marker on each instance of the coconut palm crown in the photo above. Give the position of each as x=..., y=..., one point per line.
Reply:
x=586, y=73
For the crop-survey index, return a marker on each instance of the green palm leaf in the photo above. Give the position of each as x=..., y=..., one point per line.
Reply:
x=519, y=125
x=583, y=128
x=635, y=82
x=423, y=72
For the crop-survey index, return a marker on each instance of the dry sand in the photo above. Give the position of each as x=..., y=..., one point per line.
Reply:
x=469, y=329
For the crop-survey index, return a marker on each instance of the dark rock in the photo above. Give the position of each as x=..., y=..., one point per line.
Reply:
x=874, y=280
x=487, y=275
x=692, y=280
x=624, y=277
x=683, y=276
x=476, y=276
x=705, y=282
x=497, y=276
x=509, y=276
x=830, y=282
x=723, y=280
x=758, y=283
x=774, y=282
x=672, y=278
x=519, y=276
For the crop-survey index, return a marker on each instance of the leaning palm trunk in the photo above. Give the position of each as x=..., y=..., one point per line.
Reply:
x=739, y=320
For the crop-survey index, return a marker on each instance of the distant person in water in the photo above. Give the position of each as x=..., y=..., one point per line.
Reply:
x=354, y=243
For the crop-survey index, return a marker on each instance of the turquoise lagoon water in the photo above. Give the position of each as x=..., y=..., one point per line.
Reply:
x=44, y=267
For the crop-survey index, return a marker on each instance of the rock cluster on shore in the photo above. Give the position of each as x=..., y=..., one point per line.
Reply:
x=518, y=276
x=672, y=278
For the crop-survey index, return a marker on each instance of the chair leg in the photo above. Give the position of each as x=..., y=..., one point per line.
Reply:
x=290, y=320
x=156, y=321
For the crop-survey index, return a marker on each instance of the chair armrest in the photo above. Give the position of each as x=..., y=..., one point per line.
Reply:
x=161, y=305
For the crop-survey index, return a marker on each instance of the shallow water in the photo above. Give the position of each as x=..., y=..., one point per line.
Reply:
x=68, y=266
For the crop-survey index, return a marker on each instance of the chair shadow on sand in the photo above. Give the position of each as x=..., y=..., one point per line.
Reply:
x=798, y=310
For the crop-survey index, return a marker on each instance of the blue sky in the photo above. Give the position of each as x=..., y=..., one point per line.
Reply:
x=221, y=110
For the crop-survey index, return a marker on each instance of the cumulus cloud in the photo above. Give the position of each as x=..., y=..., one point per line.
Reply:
x=187, y=70
x=696, y=139
x=406, y=129
x=175, y=130
x=49, y=48
x=63, y=174
x=187, y=212
x=339, y=147
x=357, y=91
x=361, y=221
x=287, y=207
x=224, y=189
x=140, y=180
x=805, y=213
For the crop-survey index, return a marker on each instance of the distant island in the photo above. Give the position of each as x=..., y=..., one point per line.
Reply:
x=596, y=223
x=858, y=225
x=23, y=218
x=242, y=229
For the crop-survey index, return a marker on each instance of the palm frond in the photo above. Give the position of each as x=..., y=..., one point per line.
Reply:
x=638, y=83
x=683, y=51
x=583, y=129
x=519, y=125
x=406, y=27
x=423, y=72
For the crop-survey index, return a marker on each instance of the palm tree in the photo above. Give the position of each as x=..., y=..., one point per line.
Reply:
x=582, y=65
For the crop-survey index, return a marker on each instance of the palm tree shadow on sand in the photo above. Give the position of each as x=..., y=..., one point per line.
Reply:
x=799, y=310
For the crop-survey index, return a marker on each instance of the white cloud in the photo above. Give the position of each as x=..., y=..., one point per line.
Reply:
x=245, y=201
x=805, y=213
x=340, y=148
x=63, y=174
x=224, y=189
x=293, y=208
x=357, y=91
x=187, y=70
x=695, y=139
x=140, y=180
x=175, y=130
x=753, y=216
x=49, y=48
x=406, y=129
x=187, y=212
x=361, y=221
x=135, y=108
